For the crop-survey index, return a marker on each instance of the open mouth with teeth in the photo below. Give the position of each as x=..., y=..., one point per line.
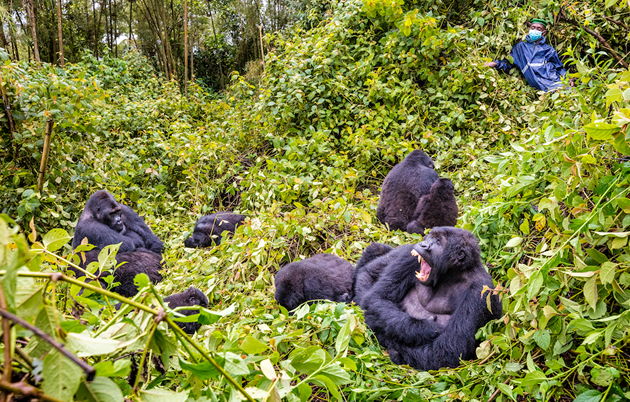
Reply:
x=425, y=268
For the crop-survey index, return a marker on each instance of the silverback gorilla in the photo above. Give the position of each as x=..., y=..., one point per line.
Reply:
x=189, y=297
x=438, y=208
x=402, y=188
x=426, y=305
x=104, y=222
x=323, y=276
x=208, y=228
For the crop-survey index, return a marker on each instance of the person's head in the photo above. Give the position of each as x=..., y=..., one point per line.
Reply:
x=537, y=29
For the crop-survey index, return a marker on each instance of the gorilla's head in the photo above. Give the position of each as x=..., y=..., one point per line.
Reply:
x=445, y=253
x=419, y=156
x=199, y=239
x=102, y=207
x=443, y=187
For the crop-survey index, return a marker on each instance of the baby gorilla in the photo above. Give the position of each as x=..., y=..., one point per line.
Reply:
x=189, y=297
x=132, y=263
x=427, y=303
x=402, y=188
x=208, y=229
x=438, y=208
x=323, y=276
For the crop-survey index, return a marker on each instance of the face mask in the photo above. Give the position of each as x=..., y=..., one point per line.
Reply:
x=534, y=34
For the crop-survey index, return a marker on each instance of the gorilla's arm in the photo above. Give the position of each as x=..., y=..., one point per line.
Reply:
x=414, y=226
x=457, y=341
x=134, y=223
x=101, y=235
x=383, y=311
x=367, y=270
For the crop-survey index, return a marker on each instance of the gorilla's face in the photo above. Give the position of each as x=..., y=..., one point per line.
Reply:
x=198, y=239
x=107, y=211
x=429, y=253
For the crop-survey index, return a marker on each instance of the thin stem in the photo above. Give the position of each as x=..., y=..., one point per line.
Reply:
x=27, y=390
x=6, y=339
x=143, y=358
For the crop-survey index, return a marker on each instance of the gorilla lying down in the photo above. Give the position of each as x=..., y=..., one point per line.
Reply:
x=323, y=276
x=104, y=222
x=208, y=229
x=189, y=297
x=424, y=302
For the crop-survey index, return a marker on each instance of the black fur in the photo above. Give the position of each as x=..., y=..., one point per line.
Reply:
x=140, y=261
x=430, y=324
x=104, y=221
x=208, y=228
x=189, y=297
x=323, y=276
x=438, y=208
x=364, y=278
x=402, y=188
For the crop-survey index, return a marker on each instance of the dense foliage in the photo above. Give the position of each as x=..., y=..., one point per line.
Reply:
x=541, y=179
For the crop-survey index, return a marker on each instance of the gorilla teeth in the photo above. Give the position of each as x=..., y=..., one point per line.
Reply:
x=416, y=254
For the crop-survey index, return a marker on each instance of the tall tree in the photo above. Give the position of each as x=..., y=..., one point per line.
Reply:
x=186, y=48
x=59, y=27
x=31, y=16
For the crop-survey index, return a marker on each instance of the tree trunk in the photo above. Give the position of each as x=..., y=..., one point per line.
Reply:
x=31, y=15
x=59, y=27
x=186, y=48
x=131, y=39
x=217, y=43
x=167, y=41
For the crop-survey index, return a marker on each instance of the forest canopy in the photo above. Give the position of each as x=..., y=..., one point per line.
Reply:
x=300, y=142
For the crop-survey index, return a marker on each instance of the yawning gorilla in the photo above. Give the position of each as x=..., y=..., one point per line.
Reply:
x=323, y=276
x=189, y=297
x=402, y=188
x=438, y=208
x=208, y=228
x=104, y=222
x=427, y=304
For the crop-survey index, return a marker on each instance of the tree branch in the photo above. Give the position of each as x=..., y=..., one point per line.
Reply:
x=89, y=370
x=563, y=17
x=22, y=388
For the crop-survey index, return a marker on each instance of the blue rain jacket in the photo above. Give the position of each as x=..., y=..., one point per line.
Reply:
x=539, y=63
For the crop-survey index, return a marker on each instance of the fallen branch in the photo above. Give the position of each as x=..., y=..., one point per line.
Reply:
x=89, y=370
x=22, y=388
x=563, y=17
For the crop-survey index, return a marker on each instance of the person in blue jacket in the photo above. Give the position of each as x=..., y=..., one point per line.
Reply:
x=537, y=60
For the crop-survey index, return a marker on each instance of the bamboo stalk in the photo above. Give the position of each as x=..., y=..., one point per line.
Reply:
x=42, y=168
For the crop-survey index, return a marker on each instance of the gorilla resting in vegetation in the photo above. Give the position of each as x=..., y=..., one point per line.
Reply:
x=323, y=276
x=427, y=303
x=141, y=261
x=104, y=221
x=402, y=188
x=438, y=208
x=189, y=297
x=208, y=229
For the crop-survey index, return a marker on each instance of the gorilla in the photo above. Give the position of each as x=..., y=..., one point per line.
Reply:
x=365, y=277
x=438, y=208
x=323, y=276
x=104, y=221
x=208, y=229
x=402, y=188
x=140, y=261
x=427, y=304
x=189, y=297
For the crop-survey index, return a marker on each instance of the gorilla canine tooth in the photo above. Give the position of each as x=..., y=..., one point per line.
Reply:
x=415, y=253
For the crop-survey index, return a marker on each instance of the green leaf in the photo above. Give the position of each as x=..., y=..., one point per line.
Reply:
x=516, y=241
x=590, y=291
x=613, y=94
x=533, y=378
x=596, y=255
x=308, y=360
x=204, y=370
x=592, y=395
x=102, y=389
x=601, y=131
x=542, y=338
x=327, y=383
x=162, y=395
x=343, y=339
x=61, y=376
x=118, y=368
x=55, y=239
x=621, y=145
x=607, y=272
x=534, y=285
x=84, y=345
x=336, y=374
x=253, y=346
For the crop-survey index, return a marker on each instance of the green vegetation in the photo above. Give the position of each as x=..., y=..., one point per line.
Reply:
x=541, y=179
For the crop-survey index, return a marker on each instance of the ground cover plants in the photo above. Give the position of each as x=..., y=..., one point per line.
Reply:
x=541, y=179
